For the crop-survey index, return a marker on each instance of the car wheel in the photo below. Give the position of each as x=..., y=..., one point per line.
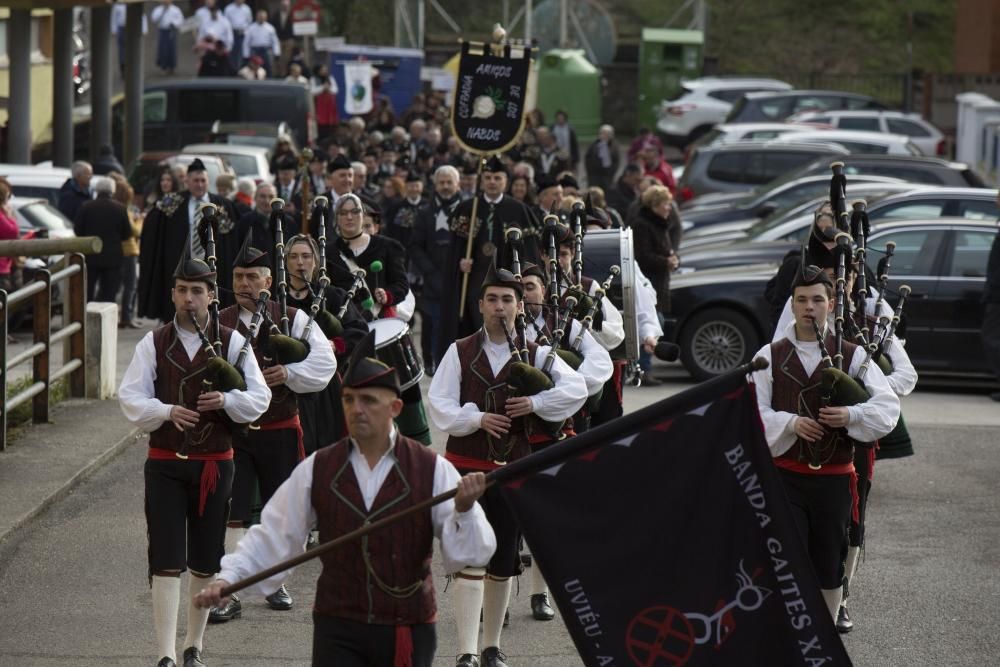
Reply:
x=717, y=341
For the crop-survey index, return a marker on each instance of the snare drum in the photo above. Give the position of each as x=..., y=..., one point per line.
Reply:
x=394, y=347
x=606, y=247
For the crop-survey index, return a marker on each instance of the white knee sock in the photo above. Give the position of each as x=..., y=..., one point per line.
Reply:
x=496, y=595
x=851, y=565
x=832, y=598
x=536, y=581
x=233, y=537
x=166, y=600
x=197, y=617
x=468, y=603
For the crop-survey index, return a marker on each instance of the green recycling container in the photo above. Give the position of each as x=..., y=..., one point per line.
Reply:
x=665, y=58
x=568, y=81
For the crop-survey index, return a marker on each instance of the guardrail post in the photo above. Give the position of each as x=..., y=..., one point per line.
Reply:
x=76, y=304
x=3, y=370
x=41, y=320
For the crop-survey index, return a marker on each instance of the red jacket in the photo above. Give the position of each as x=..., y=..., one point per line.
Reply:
x=8, y=232
x=326, y=109
x=664, y=173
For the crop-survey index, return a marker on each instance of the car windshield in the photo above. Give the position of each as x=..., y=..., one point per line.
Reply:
x=42, y=215
x=243, y=165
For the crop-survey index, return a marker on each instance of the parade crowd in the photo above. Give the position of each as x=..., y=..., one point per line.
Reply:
x=281, y=386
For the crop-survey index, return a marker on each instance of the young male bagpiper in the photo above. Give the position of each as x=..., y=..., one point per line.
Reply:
x=189, y=471
x=471, y=400
x=812, y=441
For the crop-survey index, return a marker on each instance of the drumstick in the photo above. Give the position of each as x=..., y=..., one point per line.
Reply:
x=376, y=269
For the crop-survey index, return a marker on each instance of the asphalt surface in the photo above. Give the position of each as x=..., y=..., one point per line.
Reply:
x=927, y=593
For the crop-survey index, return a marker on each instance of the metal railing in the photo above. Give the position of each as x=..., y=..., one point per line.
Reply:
x=39, y=290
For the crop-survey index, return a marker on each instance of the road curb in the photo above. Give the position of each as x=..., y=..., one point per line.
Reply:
x=82, y=474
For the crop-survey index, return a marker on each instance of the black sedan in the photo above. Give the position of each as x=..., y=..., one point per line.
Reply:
x=720, y=318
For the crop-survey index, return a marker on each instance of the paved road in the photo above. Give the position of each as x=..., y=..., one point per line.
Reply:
x=927, y=593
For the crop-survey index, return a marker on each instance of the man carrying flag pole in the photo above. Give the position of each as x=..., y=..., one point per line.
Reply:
x=375, y=600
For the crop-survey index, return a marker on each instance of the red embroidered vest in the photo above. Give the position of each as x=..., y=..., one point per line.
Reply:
x=799, y=394
x=490, y=394
x=179, y=382
x=283, y=402
x=385, y=577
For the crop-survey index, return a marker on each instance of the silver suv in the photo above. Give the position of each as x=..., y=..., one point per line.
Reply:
x=705, y=102
x=742, y=166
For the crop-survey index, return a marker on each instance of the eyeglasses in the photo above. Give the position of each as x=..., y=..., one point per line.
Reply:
x=305, y=257
x=348, y=212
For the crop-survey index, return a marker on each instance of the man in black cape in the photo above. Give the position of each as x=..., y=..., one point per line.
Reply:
x=165, y=234
x=496, y=213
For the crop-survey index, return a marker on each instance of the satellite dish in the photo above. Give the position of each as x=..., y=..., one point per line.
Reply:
x=588, y=26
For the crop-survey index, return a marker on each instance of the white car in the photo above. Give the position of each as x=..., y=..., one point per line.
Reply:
x=727, y=133
x=29, y=182
x=249, y=161
x=706, y=102
x=870, y=143
x=924, y=136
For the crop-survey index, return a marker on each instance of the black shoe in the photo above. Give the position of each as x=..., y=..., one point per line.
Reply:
x=279, y=600
x=232, y=609
x=492, y=657
x=429, y=370
x=166, y=662
x=541, y=610
x=467, y=660
x=995, y=396
x=192, y=657
x=844, y=622
x=649, y=381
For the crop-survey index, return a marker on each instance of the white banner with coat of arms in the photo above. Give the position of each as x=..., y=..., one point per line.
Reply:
x=358, y=82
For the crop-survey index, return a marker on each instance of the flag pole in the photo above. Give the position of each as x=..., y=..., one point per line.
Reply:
x=686, y=400
x=473, y=230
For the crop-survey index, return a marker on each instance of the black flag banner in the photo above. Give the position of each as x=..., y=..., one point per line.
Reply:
x=672, y=543
x=488, y=113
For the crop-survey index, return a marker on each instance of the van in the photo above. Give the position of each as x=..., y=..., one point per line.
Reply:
x=177, y=113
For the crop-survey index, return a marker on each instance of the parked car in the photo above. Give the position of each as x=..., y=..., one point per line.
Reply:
x=927, y=170
x=264, y=135
x=35, y=181
x=856, y=141
x=762, y=201
x=142, y=172
x=773, y=107
x=923, y=134
x=250, y=161
x=719, y=317
x=729, y=133
x=765, y=244
x=741, y=167
x=782, y=225
x=179, y=112
x=40, y=219
x=703, y=103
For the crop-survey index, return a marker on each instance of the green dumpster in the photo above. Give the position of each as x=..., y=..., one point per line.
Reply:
x=568, y=81
x=665, y=57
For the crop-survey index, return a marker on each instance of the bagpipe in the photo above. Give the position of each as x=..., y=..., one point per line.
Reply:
x=838, y=387
x=277, y=342
x=329, y=324
x=220, y=375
